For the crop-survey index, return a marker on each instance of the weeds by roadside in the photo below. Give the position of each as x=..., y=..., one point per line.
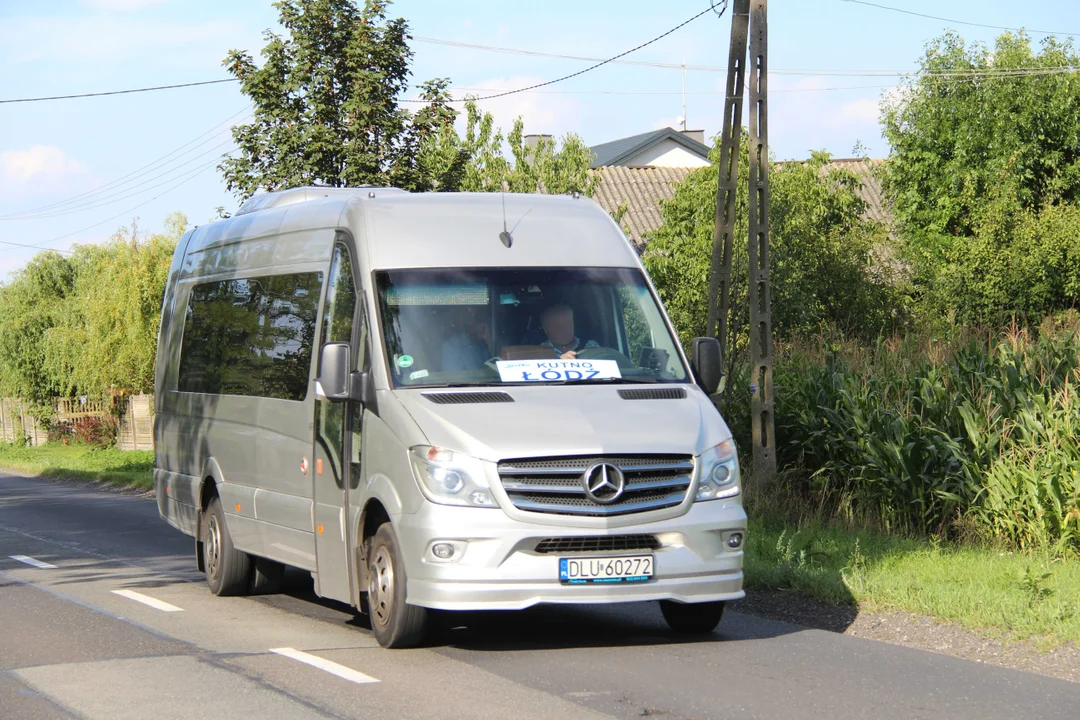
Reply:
x=83, y=462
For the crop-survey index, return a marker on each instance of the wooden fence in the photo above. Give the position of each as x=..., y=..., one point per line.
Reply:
x=134, y=431
x=17, y=423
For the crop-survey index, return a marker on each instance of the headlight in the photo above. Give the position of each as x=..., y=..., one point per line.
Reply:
x=719, y=472
x=450, y=478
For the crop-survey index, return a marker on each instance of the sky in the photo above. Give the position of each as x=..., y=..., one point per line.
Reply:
x=162, y=147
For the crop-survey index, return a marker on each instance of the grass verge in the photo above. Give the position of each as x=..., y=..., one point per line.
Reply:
x=996, y=592
x=134, y=468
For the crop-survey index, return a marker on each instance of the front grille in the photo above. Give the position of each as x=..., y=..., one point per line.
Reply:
x=600, y=543
x=555, y=485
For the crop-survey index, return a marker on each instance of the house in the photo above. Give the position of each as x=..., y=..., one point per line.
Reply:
x=659, y=148
x=637, y=172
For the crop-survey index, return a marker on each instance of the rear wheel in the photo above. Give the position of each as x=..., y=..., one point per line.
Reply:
x=228, y=570
x=395, y=623
x=697, y=618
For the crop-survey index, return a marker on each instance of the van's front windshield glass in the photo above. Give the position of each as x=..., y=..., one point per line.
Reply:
x=551, y=325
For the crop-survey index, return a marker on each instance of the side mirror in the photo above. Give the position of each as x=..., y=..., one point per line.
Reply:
x=333, y=381
x=707, y=362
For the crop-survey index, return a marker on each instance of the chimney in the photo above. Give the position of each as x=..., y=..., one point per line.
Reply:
x=698, y=135
x=532, y=141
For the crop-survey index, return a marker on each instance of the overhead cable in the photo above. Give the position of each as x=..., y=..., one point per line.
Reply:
x=134, y=174
x=956, y=22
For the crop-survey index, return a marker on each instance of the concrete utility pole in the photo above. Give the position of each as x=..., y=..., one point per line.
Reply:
x=749, y=18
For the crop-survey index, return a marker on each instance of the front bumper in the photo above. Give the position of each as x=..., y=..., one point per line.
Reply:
x=496, y=566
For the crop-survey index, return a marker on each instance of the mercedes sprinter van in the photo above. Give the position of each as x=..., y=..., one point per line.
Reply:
x=444, y=401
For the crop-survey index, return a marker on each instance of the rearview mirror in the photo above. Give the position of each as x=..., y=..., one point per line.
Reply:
x=333, y=381
x=707, y=362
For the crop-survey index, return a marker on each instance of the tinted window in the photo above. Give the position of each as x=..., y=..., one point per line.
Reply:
x=250, y=336
x=455, y=326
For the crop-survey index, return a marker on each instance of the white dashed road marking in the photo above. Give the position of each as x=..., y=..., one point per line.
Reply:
x=147, y=600
x=33, y=562
x=331, y=667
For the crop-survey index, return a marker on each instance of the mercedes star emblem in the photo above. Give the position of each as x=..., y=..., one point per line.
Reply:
x=604, y=483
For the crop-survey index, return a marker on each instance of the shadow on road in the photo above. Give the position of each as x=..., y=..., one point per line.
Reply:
x=545, y=627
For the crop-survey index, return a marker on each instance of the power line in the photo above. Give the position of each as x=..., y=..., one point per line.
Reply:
x=34, y=247
x=187, y=177
x=134, y=174
x=674, y=92
x=116, y=92
x=560, y=56
x=955, y=22
x=711, y=8
x=95, y=203
x=641, y=63
x=190, y=176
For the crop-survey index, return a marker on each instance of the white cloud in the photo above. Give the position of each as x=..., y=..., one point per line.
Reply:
x=864, y=110
x=46, y=161
x=122, y=5
x=41, y=170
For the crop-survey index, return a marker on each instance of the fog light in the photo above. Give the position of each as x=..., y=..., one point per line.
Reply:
x=443, y=551
x=734, y=540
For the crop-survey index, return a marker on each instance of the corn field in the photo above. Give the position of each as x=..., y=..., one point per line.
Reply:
x=974, y=436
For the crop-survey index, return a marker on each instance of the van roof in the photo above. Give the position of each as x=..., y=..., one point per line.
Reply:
x=463, y=230
x=428, y=230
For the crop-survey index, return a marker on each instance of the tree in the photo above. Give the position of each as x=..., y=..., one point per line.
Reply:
x=955, y=138
x=30, y=305
x=106, y=335
x=87, y=323
x=326, y=102
x=822, y=255
x=984, y=167
x=476, y=161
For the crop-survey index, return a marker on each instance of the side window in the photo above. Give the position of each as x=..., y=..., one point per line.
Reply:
x=337, y=321
x=337, y=326
x=250, y=336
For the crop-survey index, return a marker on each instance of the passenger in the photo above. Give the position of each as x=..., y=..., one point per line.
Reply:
x=557, y=322
x=470, y=348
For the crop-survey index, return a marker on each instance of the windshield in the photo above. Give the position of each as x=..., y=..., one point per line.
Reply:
x=497, y=326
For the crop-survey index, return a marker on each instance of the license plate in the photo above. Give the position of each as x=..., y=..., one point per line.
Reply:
x=623, y=569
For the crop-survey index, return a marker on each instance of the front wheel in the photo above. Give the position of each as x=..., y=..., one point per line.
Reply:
x=228, y=570
x=395, y=623
x=696, y=618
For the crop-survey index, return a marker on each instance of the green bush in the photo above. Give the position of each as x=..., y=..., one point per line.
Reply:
x=938, y=437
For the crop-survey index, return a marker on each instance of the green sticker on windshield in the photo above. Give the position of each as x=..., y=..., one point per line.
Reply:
x=405, y=361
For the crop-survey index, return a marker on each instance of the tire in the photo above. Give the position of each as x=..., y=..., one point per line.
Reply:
x=266, y=576
x=228, y=570
x=692, y=618
x=395, y=623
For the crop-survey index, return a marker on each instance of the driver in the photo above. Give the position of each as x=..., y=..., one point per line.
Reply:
x=557, y=322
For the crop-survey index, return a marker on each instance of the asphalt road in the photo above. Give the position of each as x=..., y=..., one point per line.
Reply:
x=164, y=647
